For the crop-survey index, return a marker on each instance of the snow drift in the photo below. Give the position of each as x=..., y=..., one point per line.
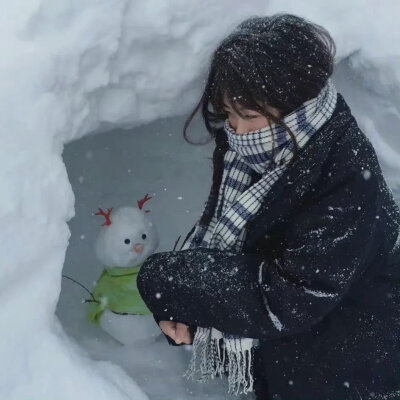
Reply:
x=71, y=69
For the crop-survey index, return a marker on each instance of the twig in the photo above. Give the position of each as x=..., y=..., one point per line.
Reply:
x=176, y=243
x=84, y=287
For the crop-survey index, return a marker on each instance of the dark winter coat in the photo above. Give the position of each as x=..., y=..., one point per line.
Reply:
x=327, y=311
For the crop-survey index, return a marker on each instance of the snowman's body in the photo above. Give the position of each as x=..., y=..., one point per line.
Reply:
x=127, y=329
x=124, y=242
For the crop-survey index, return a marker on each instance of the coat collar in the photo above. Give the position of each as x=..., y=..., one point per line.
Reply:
x=288, y=190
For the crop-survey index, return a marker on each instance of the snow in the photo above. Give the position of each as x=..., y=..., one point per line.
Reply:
x=319, y=293
x=72, y=70
x=274, y=319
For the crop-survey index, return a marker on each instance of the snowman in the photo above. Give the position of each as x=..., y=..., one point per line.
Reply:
x=126, y=239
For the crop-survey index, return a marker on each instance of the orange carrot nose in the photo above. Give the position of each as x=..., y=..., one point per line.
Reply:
x=138, y=247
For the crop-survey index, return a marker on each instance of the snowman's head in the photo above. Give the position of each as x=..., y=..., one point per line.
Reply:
x=127, y=238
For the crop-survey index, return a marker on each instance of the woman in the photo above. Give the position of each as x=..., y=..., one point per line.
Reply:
x=288, y=283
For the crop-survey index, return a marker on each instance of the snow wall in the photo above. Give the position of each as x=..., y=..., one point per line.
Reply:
x=72, y=68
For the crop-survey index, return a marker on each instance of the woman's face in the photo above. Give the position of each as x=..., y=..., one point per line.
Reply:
x=252, y=119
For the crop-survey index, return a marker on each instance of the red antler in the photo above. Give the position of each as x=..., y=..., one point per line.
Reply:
x=106, y=215
x=142, y=201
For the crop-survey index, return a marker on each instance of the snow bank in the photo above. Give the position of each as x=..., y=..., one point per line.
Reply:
x=70, y=69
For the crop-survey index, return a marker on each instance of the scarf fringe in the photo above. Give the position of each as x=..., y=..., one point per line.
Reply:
x=213, y=355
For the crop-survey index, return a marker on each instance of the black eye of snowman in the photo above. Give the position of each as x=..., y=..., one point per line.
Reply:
x=144, y=236
x=127, y=241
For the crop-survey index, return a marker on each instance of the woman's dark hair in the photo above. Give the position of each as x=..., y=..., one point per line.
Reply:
x=280, y=61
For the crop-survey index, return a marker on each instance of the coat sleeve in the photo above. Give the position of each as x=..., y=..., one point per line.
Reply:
x=324, y=251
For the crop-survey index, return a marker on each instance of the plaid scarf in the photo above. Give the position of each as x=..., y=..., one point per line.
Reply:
x=267, y=152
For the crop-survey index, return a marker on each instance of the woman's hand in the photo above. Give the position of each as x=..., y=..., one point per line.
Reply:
x=176, y=331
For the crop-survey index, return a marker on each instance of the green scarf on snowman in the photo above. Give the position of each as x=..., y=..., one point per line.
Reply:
x=116, y=290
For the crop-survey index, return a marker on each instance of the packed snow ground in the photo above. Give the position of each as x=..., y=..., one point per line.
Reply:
x=71, y=70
